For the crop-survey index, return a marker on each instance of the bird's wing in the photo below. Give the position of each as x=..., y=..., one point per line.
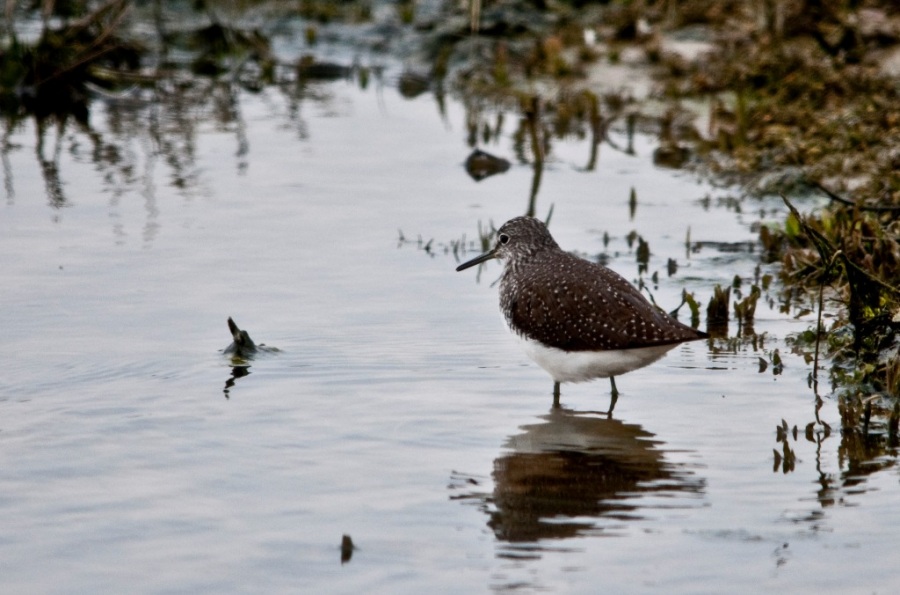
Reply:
x=587, y=307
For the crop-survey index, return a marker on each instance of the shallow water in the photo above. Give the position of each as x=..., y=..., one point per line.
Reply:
x=397, y=411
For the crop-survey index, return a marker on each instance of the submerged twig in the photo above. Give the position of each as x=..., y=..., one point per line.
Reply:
x=819, y=325
x=856, y=205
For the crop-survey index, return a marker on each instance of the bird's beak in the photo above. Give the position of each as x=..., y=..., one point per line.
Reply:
x=477, y=260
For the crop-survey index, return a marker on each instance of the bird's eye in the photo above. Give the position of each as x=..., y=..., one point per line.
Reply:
x=504, y=239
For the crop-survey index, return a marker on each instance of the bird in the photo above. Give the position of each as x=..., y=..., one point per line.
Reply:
x=578, y=320
x=242, y=346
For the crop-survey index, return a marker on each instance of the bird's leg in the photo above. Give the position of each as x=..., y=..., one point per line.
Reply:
x=555, y=395
x=614, y=395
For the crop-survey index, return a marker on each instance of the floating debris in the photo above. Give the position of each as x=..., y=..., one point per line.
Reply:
x=242, y=346
x=717, y=312
x=671, y=155
x=347, y=548
x=308, y=68
x=643, y=255
x=777, y=363
x=671, y=267
x=411, y=85
x=786, y=460
x=745, y=310
x=481, y=165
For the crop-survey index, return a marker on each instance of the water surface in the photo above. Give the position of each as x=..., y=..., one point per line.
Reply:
x=398, y=411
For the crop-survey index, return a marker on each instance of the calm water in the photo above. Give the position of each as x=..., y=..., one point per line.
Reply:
x=398, y=410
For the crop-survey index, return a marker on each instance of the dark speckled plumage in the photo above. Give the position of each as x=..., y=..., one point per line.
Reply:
x=566, y=302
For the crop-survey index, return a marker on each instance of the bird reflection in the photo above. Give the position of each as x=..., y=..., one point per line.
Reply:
x=236, y=372
x=561, y=476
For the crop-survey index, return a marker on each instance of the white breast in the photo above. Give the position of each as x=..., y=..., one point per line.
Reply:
x=581, y=366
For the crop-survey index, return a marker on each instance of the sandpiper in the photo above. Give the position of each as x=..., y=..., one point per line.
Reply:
x=578, y=320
